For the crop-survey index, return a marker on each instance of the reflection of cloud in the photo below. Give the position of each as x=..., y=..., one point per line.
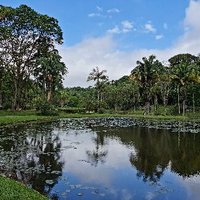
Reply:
x=76, y=165
x=126, y=195
x=150, y=195
x=192, y=186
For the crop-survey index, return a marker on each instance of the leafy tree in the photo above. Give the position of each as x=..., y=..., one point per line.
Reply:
x=49, y=73
x=25, y=36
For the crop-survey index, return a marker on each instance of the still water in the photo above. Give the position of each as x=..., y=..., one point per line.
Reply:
x=102, y=159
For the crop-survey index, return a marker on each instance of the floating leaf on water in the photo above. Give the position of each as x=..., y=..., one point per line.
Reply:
x=49, y=182
x=56, y=172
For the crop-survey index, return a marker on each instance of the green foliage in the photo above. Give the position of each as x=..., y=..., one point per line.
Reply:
x=26, y=37
x=166, y=110
x=72, y=110
x=47, y=109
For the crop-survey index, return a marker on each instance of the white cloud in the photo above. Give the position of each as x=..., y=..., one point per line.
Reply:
x=100, y=9
x=114, y=30
x=113, y=10
x=97, y=13
x=165, y=26
x=159, y=37
x=127, y=26
x=102, y=52
x=94, y=15
x=149, y=28
x=192, y=15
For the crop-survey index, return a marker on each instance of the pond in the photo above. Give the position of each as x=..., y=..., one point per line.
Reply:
x=108, y=158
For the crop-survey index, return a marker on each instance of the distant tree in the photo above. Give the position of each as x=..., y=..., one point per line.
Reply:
x=100, y=78
x=146, y=74
x=182, y=73
x=63, y=97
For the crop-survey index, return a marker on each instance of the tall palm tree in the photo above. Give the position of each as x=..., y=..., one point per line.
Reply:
x=100, y=78
x=146, y=74
x=183, y=72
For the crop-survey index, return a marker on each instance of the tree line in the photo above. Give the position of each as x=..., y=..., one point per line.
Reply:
x=31, y=73
x=151, y=85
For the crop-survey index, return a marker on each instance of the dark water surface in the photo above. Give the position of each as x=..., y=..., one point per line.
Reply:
x=94, y=159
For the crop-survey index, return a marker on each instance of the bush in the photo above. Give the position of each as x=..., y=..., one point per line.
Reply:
x=168, y=110
x=101, y=110
x=47, y=109
x=72, y=110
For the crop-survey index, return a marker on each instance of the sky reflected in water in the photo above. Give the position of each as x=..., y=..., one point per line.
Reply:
x=67, y=160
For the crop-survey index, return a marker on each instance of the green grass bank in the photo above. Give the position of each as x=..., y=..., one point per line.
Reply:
x=12, y=190
x=9, y=118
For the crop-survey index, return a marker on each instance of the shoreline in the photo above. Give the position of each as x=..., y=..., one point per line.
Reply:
x=22, y=118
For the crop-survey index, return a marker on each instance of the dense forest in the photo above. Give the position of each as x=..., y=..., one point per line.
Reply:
x=31, y=74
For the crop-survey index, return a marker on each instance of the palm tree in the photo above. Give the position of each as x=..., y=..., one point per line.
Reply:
x=64, y=96
x=146, y=74
x=183, y=72
x=101, y=79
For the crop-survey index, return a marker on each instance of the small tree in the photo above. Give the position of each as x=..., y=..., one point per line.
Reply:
x=101, y=79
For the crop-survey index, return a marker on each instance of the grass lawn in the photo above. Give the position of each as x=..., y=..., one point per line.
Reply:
x=21, y=117
x=12, y=190
x=8, y=119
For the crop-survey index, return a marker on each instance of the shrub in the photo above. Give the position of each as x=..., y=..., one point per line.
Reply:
x=168, y=110
x=47, y=109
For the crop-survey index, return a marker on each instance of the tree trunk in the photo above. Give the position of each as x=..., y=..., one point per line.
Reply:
x=179, y=106
x=184, y=101
x=155, y=103
x=1, y=99
x=147, y=108
x=14, y=104
x=49, y=96
x=193, y=103
x=98, y=100
x=184, y=106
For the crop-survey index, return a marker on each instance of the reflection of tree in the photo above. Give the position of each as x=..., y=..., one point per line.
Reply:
x=99, y=154
x=155, y=149
x=32, y=156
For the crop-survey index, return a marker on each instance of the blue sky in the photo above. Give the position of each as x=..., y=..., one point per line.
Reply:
x=122, y=27
x=93, y=18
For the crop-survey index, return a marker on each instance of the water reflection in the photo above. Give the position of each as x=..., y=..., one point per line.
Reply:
x=98, y=155
x=73, y=160
x=31, y=156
